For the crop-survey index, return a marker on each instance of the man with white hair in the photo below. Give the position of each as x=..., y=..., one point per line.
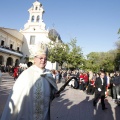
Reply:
x=32, y=93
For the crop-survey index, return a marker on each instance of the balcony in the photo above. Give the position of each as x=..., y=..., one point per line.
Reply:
x=10, y=51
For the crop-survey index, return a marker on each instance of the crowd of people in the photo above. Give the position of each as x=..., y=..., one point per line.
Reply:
x=14, y=71
x=88, y=82
x=36, y=87
x=85, y=80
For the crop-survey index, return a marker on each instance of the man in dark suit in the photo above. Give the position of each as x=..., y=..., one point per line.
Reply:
x=100, y=88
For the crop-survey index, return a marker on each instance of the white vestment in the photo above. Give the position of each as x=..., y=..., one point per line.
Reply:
x=31, y=96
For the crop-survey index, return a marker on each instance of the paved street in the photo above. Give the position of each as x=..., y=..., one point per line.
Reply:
x=76, y=105
x=71, y=105
x=5, y=87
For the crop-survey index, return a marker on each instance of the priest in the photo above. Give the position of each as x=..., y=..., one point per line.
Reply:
x=32, y=92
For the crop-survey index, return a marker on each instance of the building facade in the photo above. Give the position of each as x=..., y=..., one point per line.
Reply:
x=16, y=46
x=11, y=42
x=35, y=29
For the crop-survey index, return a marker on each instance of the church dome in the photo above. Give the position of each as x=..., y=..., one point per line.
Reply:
x=53, y=34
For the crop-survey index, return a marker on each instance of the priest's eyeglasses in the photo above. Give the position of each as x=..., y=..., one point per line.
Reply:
x=41, y=58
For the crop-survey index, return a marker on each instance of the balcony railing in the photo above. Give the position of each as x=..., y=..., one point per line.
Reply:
x=11, y=51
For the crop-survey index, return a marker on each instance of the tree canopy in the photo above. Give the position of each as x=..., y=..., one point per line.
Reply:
x=68, y=53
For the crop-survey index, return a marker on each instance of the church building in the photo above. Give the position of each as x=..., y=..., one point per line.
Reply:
x=16, y=46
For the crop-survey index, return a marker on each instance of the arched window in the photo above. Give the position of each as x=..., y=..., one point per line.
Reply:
x=1, y=59
x=11, y=46
x=36, y=8
x=32, y=40
x=9, y=61
x=18, y=49
x=16, y=62
x=32, y=19
x=38, y=18
x=2, y=42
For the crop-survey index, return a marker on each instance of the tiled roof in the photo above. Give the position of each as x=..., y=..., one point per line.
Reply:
x=13, y=32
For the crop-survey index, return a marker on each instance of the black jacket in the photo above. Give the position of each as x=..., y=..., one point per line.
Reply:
x=116, y=80
x=98, y=84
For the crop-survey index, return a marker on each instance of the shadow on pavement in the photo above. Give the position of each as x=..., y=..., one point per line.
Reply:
x=65, y=109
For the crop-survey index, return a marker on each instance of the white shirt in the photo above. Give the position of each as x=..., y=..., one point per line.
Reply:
x=102, y=80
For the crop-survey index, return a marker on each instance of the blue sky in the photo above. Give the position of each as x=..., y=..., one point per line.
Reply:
x=94, y=23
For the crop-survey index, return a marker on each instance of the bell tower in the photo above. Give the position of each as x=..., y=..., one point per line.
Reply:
x=35, y=21
x=34, y=30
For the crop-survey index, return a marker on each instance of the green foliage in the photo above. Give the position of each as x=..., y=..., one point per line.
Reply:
x=57, y=52
x=72, y=55
x=66, y=53
x=117, y=58
x=75, y=56
x=101, y=60
x=117, y=44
